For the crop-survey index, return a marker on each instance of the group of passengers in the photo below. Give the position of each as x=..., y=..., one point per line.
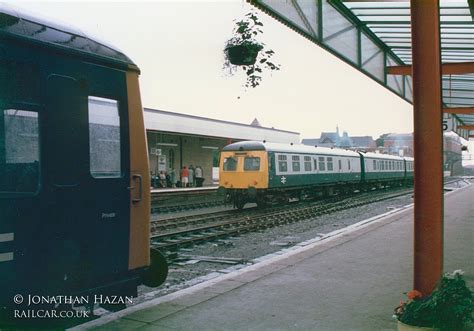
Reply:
x=191, y=177
x=188, y=177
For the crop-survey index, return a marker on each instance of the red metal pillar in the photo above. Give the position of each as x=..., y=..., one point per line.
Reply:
x=428, y=145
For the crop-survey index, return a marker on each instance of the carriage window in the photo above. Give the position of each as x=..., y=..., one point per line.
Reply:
x=104, y=138
x=295, y=165
x=307, y=163
x=251, y=163
x=230, y=164
x=330, y=164
x=322, y=164
x=340, y=165
x=282, y=164
x=19, y=151
x=375, y=164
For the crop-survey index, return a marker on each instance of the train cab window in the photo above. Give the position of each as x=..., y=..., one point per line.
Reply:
x=295, y=164
x=322, y=163
x=230, y=164
x=19, y=151
x=282, y=163
x=330, y=165
x=104, y=138
x=251, y=163
x=307, y=163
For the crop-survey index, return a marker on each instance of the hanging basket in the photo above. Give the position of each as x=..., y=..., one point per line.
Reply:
x=243, y=54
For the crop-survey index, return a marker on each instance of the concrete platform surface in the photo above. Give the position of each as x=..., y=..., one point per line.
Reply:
x=348, y=280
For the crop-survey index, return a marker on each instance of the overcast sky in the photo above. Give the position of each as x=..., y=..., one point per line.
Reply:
x=178, y=46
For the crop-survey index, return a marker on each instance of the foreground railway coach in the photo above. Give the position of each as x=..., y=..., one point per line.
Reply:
x=74, y=194
x=262, y=172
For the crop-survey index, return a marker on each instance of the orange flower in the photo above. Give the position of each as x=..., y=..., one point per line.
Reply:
x=413, y=294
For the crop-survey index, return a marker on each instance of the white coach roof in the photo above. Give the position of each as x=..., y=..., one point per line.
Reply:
x=288, y=148
x=159, y=120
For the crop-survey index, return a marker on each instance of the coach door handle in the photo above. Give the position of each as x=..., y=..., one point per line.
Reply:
x=140, y=189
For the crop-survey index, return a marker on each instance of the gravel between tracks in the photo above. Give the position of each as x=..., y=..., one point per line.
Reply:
x=253, y=245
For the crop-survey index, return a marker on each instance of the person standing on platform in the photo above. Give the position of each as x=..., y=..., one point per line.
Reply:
x=162, y=179
x=172, y=177
x=191, y=175
x=184, y=177
x=198, y=175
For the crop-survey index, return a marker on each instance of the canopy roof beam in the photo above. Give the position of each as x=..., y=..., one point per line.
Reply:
x=458, y=68
x=459, y=110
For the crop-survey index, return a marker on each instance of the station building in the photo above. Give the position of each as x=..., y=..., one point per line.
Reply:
x=176, y=140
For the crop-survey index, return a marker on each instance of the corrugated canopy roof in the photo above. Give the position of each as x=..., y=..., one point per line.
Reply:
x=375, y=35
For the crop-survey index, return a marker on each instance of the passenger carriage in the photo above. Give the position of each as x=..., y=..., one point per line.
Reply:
x=382, y=169
x=74, y=194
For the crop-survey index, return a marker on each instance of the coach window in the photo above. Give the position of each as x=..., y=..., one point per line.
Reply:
x=375, y=164
x=230, y=164
x=251, y=163
x=330, y=166
x=104, y=138
x=295, y=164
x=322, y=164
x=19, y=151
x=307, y=163
x=282, y=164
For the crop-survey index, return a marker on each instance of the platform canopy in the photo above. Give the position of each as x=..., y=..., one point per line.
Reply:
x=375, y=38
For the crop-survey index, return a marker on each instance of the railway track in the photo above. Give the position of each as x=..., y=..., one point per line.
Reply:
x=180, y=232
x=173, y=233
x=171, y=202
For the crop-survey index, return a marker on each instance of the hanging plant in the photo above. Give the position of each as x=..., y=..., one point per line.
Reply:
x=244, y=51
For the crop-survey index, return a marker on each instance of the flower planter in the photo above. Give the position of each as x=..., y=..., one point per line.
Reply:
x=405, y=327
x=243, y=54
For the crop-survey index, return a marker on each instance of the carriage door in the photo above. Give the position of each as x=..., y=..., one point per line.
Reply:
x=89, y=167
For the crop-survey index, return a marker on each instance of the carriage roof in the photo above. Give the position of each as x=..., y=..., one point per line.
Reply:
x=382, y=156
x=287, y=148
x=18, y=22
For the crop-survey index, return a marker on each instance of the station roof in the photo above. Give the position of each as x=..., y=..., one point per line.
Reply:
x=165, y=121
x=375, y=38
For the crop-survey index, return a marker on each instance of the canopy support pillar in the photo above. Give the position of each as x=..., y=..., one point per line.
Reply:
x=428, y=145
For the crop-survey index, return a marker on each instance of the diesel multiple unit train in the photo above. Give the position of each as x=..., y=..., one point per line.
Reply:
x=261, y=172
x=74, y=173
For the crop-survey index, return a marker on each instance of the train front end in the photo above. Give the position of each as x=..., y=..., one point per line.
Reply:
x=243, y=172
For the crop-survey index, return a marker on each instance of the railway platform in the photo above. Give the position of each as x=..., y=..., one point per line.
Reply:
x=350, y=279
